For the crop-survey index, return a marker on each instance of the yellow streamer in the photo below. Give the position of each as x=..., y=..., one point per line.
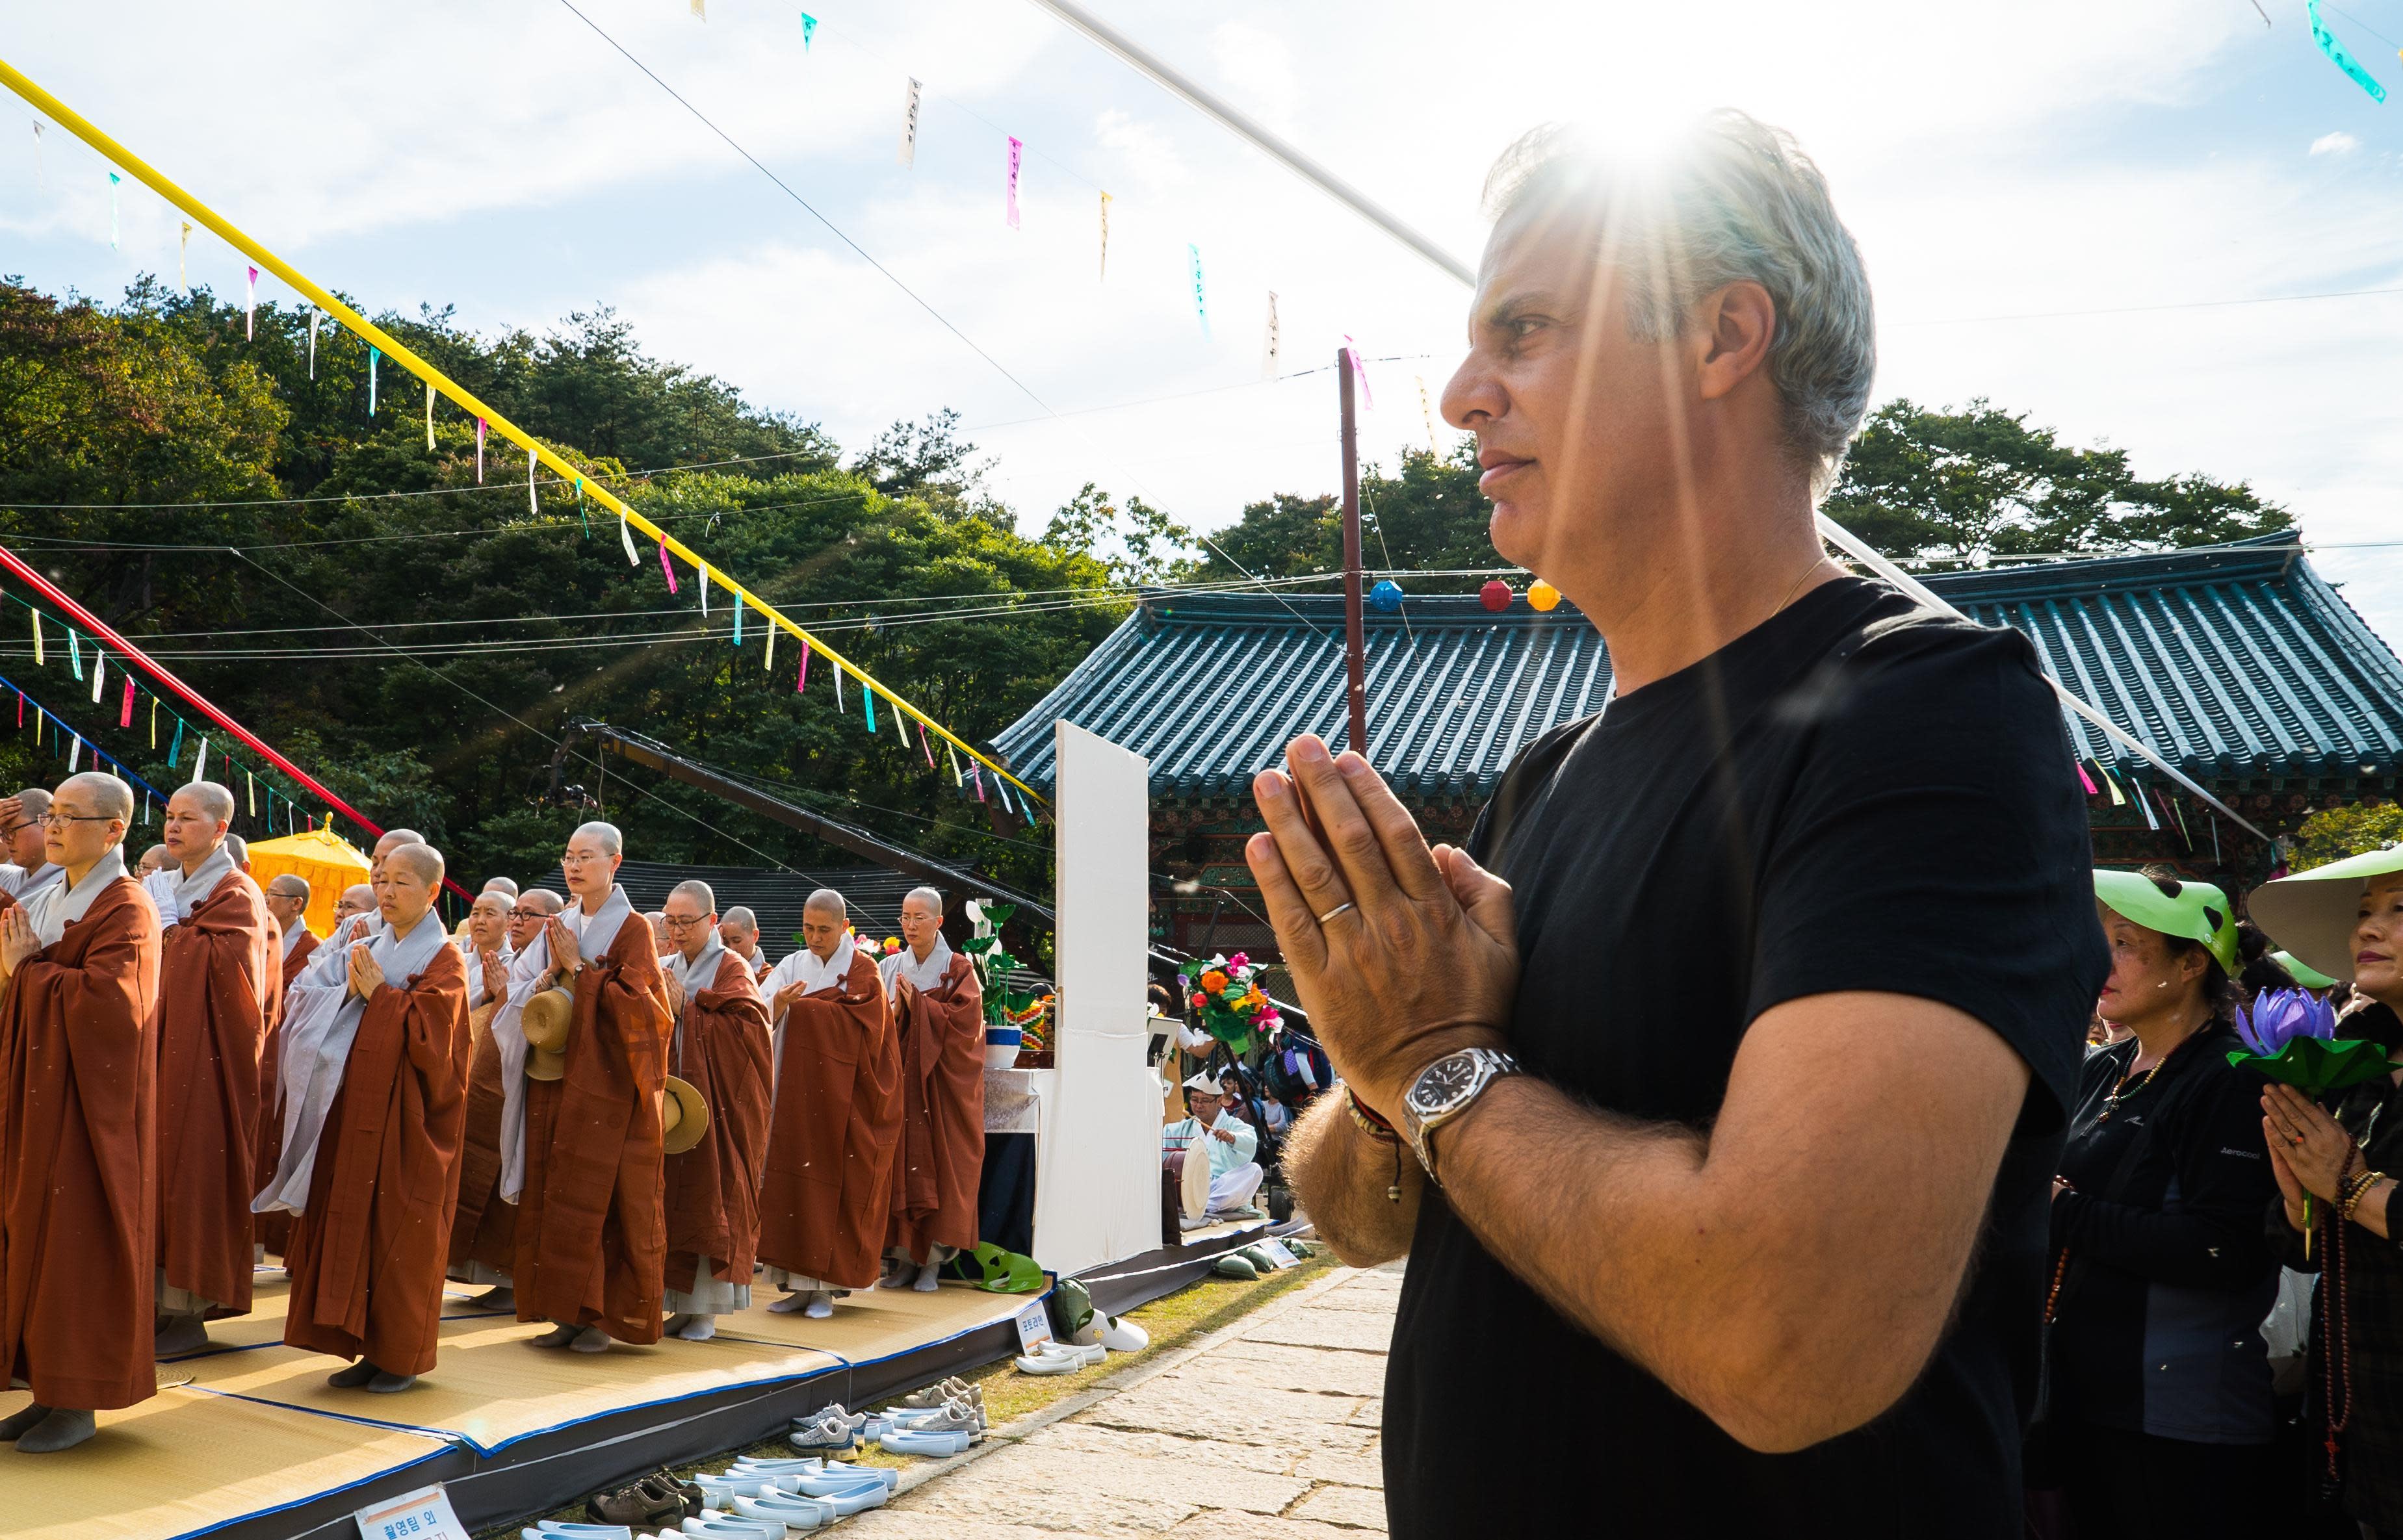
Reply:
x=37, y=637
x=399, y=352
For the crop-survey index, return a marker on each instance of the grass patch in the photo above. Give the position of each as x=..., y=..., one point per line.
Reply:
x=1174, y=1321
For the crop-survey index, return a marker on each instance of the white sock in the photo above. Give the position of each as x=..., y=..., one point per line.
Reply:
x=929, y=1278
x=788, y=1304
x=699, y=1328
x=821, y=1306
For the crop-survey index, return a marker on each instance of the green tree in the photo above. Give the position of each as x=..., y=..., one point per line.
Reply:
x=1959, y=488
x=2356, y=828
x=1136, y=544
x=1427, y=516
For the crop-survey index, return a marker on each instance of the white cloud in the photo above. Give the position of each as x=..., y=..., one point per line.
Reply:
x=2339, y=142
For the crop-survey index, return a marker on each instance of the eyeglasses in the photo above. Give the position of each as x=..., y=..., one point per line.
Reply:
x=674, y=924
x=60, y=820
x=572, y=859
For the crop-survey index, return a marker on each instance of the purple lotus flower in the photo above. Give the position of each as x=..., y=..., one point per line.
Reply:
x=2280, y=1017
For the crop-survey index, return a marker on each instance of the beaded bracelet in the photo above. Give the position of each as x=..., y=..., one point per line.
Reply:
x=2358, y=1191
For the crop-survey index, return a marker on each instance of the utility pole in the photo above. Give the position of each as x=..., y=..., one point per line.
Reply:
x=1353, y=665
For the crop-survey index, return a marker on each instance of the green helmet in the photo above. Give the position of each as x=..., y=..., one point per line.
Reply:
x=2302, y=972
x=2199, y=912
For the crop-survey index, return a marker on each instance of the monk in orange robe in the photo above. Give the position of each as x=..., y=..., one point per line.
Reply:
x=939, y=1018
x=77, y=1173
x=591, y=1236
x=287, y=909
x=216, y=981
x=380, y=1181
x=484, y=1231
x=824, y=1200
x=720, y=1049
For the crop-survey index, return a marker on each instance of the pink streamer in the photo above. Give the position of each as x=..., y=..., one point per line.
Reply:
x=1361, y=369
x=479, y=451
x=1015, y=147
x=2091, y=789
x=927, y=747
x=666, y=568
x=125, y=713
x=250, y=314
x=978, y=776
x=803, y=677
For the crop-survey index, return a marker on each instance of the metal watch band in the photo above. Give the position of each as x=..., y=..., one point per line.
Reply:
x=1484, y=1066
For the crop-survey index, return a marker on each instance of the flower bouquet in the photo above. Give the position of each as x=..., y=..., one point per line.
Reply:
x=1225, y=995
x=2292, y=1038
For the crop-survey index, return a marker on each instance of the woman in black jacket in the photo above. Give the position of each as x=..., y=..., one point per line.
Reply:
x=2159, y=1410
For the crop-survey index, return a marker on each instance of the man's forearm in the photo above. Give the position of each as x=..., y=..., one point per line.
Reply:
x=1344, y=1178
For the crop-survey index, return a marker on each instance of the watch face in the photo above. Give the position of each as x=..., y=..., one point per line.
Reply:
x=1444, y=1082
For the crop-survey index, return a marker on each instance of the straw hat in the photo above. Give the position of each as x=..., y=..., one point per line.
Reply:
x=545, y=1020
x=546, y=1064
x=683, y=1115
x=2313, y=913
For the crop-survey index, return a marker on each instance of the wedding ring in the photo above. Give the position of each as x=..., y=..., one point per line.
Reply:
x=1335, y=910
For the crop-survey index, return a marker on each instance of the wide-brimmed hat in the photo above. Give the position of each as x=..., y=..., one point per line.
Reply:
x=683, y=1115
x=2313, y=913
x=2302, y=972
x=2199, y=912
x=545, y=1019
x=546, y=1064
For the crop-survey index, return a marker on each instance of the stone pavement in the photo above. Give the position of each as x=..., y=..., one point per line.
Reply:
x=1264, y=1430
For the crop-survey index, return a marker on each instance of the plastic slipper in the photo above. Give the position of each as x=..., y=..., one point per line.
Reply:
x=938, y=1445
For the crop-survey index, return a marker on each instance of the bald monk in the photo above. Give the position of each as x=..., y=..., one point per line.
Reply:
x=153, y=859
x=739, y=932
x=373, y=1190
x=78, y=994
x=483, y=1231
x=214, y=978
x=721, y=1047
x=659, y=922
x=287, y=904
x=29, y=868
x=824, y=1199
x=592, y=1239
x=939, y=1018
x=356, y=900
x=506, y=887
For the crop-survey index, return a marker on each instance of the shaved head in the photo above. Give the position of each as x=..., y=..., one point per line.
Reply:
x=830, y=902
x=603, y=835
x=698, y=892
x=739, y=930
x=291, y=886
x=206, y=797
x=239, y=848
x=35, y=802
x=101, y=795
x=392, y=839
x=542, y=901
x=501, y=885
x=421, y=858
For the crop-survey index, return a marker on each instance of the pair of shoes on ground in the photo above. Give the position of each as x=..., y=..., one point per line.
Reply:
x=939, y=1392
x=939, y=1432
x=45, y=1429
x=1061, y=1357
x=578, y=1338
x=827, y=1430
x=366, y=1376
x=659, y=1498
x=816, y=1492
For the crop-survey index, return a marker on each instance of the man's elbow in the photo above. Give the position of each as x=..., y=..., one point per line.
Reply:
x=1783, y=1399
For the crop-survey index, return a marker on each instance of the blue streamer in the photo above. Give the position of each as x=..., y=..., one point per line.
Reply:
x=175, y=750
x=808, y=29
x=867, y=697
x=2338, y=57
x=1200, y=299
x=738, y=622
x=74, y=651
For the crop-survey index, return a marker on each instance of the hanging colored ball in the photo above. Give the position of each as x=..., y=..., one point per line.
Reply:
x=1541, y=595
x=1386, y=595
x=1494, y=595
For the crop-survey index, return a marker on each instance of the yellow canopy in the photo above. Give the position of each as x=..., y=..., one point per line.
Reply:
x=324, y=860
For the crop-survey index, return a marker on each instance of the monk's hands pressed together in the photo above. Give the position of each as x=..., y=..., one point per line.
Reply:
x=366, y=972
x=17, y=942
x=675, y=993
x=566, y=958
x=1401, y=954
x=496, y=978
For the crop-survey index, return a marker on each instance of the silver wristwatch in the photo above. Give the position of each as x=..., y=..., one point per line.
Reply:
x=1445, y=1089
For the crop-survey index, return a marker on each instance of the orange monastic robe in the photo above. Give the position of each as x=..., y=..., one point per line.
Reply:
x=214, y=978
x=484, y=1230
x=823, y=1205
x=368, y=1252
x=274, y=1230
x=592, y=1234
x=714, y=1187
x=77, y=1173
x=941, y=1032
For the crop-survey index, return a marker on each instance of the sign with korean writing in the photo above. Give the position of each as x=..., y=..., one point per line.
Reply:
x=422, y=1515
x=1033, y=1326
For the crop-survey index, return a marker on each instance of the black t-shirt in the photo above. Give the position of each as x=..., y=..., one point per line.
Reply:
x=1856, y=795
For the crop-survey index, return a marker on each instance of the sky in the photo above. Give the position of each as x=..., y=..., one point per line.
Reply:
x=2074, y=211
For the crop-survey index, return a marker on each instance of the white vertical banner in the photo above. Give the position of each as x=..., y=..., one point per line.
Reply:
x=909, y=155
x=1274, y=352
x=1097, y=1149
x=183, y=250
x=314, y=315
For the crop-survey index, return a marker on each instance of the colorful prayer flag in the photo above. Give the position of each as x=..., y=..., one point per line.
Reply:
x=1270, y=356
x=183, y=250
x=375, y=356
x=1200, y=297
x=909, y=155
x=177, y=751
x=479, y=451
x=2320, y=35
x=704, y=593
x=98, y=667
x=1015, y=150
x=1433, y=447
x=250, y=308
x=125, y=708
x=868, y=703
x=738, y=622
x=768, y=665
x=315, y=316
x=1106, y=239
x=113, y=180
x=626, y=538
x=532, y=504
x=74, y=651
x=666, y=567
x=803, y=677
x=808, y=29
x=201, y=761
x=37, y=638
x=1360, y=369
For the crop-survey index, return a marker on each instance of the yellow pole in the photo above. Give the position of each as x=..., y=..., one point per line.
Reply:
x=394, y=348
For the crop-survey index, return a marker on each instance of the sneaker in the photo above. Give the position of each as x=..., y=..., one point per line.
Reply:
x=832, y=1436
x=834, y=1409
x=959, y=1416
x=936, y=1396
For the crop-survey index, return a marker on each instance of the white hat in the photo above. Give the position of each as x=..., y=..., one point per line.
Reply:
x=2313, y=913
x=1206, y=1083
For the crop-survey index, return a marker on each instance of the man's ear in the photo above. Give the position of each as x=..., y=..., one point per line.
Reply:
x=1736, y=325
